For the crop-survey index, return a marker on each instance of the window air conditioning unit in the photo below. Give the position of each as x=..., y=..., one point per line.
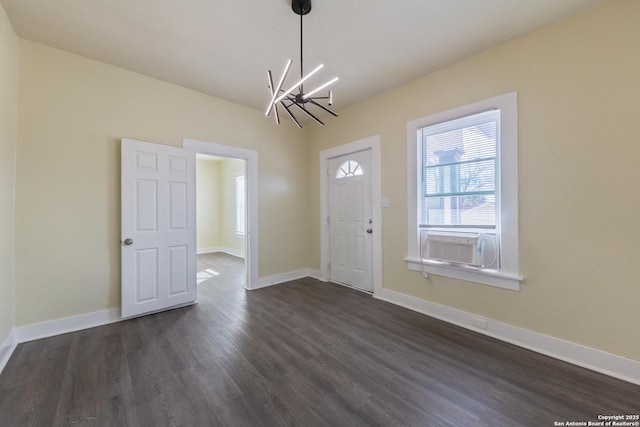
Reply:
x=475, y=249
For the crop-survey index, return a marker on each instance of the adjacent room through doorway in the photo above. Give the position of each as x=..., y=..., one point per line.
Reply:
x=221, y=220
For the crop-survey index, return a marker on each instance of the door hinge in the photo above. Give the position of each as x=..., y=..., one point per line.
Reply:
x=328, y=219
x=327, y=172
x=329, y=266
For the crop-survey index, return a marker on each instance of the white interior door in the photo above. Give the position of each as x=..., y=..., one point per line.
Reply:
x=158, y=227
x=350, y=220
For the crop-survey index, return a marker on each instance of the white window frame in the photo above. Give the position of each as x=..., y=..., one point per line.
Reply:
x=240, y=206
x=507, y=276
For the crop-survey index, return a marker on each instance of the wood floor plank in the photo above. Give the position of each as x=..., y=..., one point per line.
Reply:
x=37, y=398
x=304, y=353
x=114, y=388
x=78, y=392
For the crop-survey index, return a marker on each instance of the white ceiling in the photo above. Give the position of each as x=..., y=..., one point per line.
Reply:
x=224, y=48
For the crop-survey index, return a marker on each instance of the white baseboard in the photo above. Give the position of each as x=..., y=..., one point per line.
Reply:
x=590, y=358
x=276, y=279
x=316, y=274
x=235, y=252
x=51, y=328
x=7, y=348
x=67, y=324
x=208, y=250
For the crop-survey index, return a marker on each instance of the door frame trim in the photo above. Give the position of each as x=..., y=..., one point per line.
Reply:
x=370, y=143
x=251, y=170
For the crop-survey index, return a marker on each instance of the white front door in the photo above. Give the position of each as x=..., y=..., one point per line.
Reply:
x=158, y=227
x=350, y=220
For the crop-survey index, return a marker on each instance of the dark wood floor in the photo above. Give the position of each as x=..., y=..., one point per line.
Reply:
x=304, y=353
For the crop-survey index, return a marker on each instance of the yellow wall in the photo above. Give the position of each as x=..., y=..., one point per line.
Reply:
x=208, y=203
x=579, y=181
x=72, y=112
x=216, y=206
x=8, y=138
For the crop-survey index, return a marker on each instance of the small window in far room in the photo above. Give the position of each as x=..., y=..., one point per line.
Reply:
x=240, y=205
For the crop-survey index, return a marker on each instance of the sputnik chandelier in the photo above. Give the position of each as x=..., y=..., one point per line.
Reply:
x=288, y=98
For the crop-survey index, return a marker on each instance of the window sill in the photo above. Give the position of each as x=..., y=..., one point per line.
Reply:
x=485, y=277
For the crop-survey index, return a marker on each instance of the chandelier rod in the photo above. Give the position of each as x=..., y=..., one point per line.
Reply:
x=301, y=63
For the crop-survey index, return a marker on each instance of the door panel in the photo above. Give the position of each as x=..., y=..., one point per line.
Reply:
x=178, y=206
x=351, y=246
x=158, y=216
x=146, y=205
x=146, y=280
x=178, y=273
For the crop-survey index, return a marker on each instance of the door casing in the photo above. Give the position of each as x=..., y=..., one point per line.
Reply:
x=251, y=181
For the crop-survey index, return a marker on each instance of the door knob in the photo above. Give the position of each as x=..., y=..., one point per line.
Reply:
x=128, y=242
x=369, y=230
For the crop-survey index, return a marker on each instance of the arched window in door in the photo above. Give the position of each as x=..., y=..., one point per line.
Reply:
x=348, y=169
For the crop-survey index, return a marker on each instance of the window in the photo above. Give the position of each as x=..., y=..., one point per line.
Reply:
x=240, y=205
x=458, y=172
x=463, y=183
x=348, y=169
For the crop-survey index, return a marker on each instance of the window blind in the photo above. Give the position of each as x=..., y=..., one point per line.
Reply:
x=459, y=167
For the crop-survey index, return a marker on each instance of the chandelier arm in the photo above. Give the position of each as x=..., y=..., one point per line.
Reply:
x=308, y=113
x=275, y=108
x=319, y=88
x=292, y=88
x=271, y=92
x=323, y=107
x=329, y=97
x=277, y=90
x=291, y=115
x=275, y=111
x=292, y=101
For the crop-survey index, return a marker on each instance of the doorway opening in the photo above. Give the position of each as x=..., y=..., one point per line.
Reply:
x=227, y=212
x=221, y=220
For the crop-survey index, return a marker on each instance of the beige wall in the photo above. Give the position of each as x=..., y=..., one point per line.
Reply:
x=72, y=112
x=579, y=180
x=208, y=204
x=229, y=169
x=8, y=135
